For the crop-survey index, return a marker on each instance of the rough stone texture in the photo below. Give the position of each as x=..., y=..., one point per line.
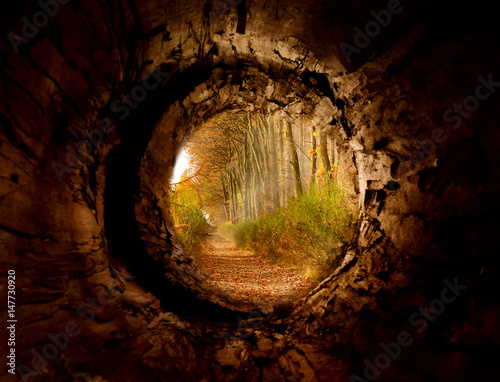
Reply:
x=107, y=220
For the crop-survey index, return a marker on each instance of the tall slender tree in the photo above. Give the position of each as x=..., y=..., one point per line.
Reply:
x=274, y=171
x=294, y=160
x=312, y=176
x=323, y=151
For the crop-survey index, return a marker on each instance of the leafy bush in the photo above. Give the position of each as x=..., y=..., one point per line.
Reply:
x=191, y=225
x=305, y=235
x=193, y=230
x=243, y=233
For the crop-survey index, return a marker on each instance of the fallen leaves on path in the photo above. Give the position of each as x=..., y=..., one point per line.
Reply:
x=246, y=278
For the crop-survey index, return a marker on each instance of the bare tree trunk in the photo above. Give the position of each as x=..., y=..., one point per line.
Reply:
x=269, y=159
x=227, y=209
x=274, y=171
x=230, y=195
x=247, y=179
x=234, y=197
x=256, y=195
x=256, y=170
x=313, y=159
x=287, y=164
x=294, y=159
x=323, y=151
x=298, y=135
x=238, y=178
x=334, y=153
x=282, y=164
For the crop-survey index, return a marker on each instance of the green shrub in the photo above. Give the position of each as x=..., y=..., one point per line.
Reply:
x=190, y=223
x=305, y=235
x=193, y=230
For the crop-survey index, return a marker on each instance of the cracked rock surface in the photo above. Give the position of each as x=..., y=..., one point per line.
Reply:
x=98, y=227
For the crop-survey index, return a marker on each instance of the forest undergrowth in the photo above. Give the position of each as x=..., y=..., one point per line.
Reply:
x=270, y=185
x=305, y=236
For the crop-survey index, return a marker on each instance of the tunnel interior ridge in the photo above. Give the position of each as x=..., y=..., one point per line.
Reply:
x=98, y=99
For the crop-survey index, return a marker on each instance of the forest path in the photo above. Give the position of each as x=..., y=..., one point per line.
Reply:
x=246, y=278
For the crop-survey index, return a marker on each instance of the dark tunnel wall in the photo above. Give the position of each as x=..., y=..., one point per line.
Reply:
x=413, y=117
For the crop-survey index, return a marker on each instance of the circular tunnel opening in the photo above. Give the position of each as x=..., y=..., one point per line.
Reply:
x=260, y=205
x=270, y=175
x=409, y=110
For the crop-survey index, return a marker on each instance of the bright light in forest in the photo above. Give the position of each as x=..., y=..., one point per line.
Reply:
x=267, y=183
x=181, y=165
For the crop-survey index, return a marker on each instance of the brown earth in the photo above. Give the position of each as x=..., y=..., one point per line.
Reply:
x=246, y=278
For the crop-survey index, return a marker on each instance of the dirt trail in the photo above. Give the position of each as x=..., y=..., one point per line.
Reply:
x=246, y=278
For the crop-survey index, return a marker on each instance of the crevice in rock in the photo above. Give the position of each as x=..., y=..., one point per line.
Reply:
x=420, y=224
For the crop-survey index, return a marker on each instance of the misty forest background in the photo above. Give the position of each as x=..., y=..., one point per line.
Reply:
x=270, y=185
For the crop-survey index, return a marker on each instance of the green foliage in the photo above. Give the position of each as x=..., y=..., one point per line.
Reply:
x=191, y=225
x=305, y=235
x=243, y=233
